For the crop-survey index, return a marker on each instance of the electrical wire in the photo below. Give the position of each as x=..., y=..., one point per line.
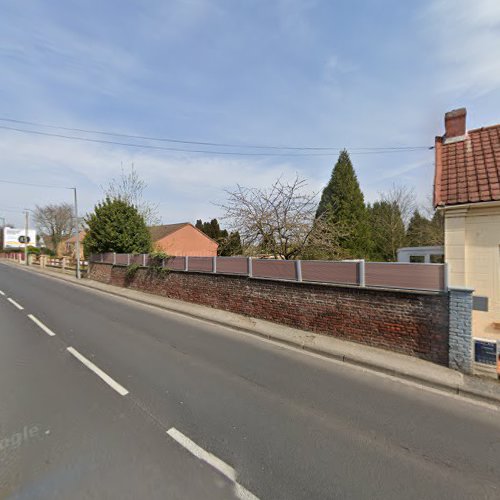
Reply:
x=34, y=185
x=203, y=151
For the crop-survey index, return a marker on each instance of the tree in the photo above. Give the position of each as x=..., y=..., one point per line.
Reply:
x=343, y=201
x=403, y=198
x=55, y=221
x=229, y=243
x=418, y=231
x=129, y=187
x=116, y=226
x=436, y=236
x=388, y=219
x=388, y=230
x=279, y=220
x=425, y=232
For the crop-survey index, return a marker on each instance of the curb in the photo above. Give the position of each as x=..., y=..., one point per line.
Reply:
x=456, y=389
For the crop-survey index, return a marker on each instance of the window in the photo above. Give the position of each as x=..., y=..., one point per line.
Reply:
x=417, y=258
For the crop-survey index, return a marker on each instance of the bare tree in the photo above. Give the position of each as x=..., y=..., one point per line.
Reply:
x=402, y=197
x=55, y=221
x=129, y=187
x=279, y=220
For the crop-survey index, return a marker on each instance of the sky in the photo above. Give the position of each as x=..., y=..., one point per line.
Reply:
x=299, y=73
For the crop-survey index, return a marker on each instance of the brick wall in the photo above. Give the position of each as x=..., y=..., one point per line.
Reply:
x=408, y=322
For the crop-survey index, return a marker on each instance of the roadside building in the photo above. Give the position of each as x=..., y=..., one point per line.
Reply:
x=70, y=244
x=467, y=189
x=182, y=239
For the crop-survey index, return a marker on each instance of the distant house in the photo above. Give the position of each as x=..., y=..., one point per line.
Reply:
x=467, y=189
x=182, y=239
x=70, y=243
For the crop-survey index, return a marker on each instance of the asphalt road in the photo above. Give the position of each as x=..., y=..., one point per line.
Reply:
x=181, y=408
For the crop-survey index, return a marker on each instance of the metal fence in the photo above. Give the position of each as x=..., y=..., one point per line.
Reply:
x=401, y=275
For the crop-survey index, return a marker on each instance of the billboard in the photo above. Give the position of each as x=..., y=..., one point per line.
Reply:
x=15, y=238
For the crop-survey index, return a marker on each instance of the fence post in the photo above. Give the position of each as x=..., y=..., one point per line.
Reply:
x=143, y=260
x=298, y=270
x=445, y=277
x=250, y=267
x=214, y=264
x=361, y=272
x=186, y=263
x=114, y=258
x=128, y=259
x=63, y=263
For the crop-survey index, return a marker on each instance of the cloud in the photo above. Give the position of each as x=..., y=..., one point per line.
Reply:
x=185, y=186
x=466, y=37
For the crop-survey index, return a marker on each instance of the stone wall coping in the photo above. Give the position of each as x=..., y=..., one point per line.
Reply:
x=459, y=288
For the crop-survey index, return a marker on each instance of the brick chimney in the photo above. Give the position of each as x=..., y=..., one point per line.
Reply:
x=454, y=123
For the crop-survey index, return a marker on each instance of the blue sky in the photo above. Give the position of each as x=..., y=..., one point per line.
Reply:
x=351, y=73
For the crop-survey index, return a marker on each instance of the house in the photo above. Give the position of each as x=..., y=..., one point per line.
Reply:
x=69, y=244
x=182, y=239
x=467, y=189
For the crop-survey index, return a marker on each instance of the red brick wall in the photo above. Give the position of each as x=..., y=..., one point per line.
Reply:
x=406, y=322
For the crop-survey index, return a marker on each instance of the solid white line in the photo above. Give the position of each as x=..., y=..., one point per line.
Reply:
x=35, y=320
x=225, y=469
x=12, y=301
x=115, y=385
x=2, y=293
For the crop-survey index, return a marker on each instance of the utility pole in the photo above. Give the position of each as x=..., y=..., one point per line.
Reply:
x=26, y=213
x=77, y=240
x=2, y=237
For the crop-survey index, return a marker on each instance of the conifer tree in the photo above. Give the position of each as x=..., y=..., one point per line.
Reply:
x=342, y=200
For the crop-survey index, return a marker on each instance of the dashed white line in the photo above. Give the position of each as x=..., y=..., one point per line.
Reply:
x=112, y=383
x=12, y=301
x=2, y=293
x=225, y=469
x=46, y=329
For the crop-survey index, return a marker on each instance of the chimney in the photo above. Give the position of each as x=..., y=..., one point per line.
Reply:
x=454, y=124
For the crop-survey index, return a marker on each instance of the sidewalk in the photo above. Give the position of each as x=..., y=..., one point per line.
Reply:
x=398, y=365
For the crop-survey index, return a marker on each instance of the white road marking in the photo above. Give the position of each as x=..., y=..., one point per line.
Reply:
x=46, y=329
x=12, y=301
x=225, y=469
x=2, y=293
x=112, y=383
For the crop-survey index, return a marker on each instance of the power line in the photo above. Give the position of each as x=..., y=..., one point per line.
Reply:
x=33, y=185
x=204, y=151
x=203, y=143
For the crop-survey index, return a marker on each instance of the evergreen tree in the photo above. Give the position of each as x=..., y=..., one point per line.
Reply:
x=116, y=226
x=229, y=244
x=417, y=234
x=343, y=201
x=437, y=229
x=387, y=229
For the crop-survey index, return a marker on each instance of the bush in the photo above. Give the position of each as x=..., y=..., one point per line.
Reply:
x=156, y=261
x=116, y=226
x=131, y=271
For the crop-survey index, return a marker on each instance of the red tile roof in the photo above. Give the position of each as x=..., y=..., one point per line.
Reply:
x=468, y=168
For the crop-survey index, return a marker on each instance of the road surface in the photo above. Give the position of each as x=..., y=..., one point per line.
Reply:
x=101, y=397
